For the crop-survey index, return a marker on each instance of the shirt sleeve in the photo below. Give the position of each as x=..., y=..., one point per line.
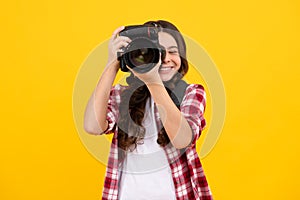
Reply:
x=113, y=108
x=193, y=107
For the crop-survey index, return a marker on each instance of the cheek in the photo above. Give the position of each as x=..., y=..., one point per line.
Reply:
x=177, y=60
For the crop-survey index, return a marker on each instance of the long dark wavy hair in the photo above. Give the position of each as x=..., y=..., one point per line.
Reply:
x=137, y=93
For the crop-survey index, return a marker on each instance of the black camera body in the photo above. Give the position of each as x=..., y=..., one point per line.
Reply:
x=144, y=50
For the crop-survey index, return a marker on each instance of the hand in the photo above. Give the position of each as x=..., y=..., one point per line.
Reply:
x=149, y=77
x=116, y=43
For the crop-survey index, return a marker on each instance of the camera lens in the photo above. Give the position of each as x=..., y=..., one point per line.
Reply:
x=142, y=56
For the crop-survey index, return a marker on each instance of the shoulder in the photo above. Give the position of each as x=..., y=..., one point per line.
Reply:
x=195, y=97
x=195, y=89
x=194, y=85
x=117, y=89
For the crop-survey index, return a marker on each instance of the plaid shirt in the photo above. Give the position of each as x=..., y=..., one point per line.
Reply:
x=187, y=172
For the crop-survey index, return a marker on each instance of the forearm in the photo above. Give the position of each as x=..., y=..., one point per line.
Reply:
x=175, y=124
x=95, y=114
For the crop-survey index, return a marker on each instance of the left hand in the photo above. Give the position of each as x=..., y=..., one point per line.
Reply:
x=149, y=77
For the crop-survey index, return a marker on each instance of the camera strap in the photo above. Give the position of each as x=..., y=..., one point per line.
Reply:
x=177, y=93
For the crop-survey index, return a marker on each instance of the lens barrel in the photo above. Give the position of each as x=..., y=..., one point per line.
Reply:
x=143, y=52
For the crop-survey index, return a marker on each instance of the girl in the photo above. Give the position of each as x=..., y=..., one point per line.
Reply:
x=153, y=152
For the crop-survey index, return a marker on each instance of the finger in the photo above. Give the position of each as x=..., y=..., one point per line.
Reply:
x=159, y=61
x=132, y=71
x=121, y=44
x=121, y=40
x=115, y=33
x=124, y=38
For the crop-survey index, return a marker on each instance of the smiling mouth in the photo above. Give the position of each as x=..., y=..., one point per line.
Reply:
x=166, y=69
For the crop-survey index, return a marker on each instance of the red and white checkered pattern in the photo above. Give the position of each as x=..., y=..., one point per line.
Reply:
x=187, y=172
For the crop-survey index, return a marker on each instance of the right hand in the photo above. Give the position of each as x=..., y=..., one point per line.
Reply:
x=116, y=43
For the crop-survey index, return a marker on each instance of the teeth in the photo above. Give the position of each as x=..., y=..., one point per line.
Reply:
x=165, y=68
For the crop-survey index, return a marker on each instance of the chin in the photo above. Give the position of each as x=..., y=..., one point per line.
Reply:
x=165, y=78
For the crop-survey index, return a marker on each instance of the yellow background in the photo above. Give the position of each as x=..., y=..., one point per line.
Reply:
x=255, y=45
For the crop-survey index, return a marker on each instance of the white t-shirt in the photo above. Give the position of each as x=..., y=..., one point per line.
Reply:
x=145, y=173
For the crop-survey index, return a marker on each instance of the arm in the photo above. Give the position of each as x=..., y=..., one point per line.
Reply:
x=182, y=126
x=95, y=121
x=95, y=114
x=175, y=124
x=192, y=108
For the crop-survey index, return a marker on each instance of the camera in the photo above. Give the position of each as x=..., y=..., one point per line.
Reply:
x=144, y=50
